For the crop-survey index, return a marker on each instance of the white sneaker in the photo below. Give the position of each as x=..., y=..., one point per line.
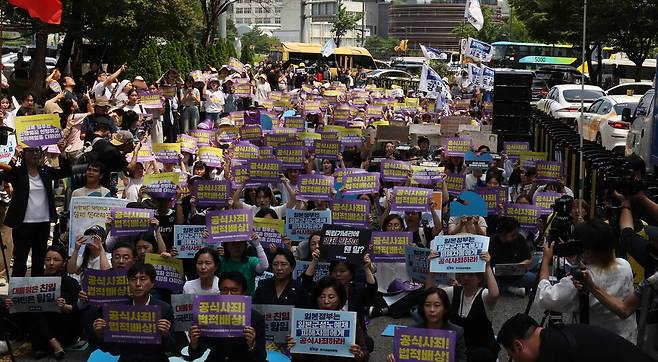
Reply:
x=3, y=347
x=519, y=292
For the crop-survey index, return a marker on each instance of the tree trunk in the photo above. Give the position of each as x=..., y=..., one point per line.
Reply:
x=599, y=61
x=65, y=52
x=38, y=62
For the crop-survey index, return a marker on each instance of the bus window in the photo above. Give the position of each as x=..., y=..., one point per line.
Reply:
x=363, y=61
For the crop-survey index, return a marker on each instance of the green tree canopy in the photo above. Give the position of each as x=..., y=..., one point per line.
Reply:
x=345, y=21
x=381, y=48
x=261, y=42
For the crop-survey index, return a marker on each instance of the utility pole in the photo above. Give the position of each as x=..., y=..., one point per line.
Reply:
x=363, y=23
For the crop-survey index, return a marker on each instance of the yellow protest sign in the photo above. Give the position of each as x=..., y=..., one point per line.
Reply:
x=38, y=130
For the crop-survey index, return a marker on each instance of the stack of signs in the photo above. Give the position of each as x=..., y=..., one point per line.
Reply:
x=459, y=253
x=342, y=243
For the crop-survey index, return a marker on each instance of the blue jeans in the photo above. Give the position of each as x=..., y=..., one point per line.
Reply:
x=189, y=118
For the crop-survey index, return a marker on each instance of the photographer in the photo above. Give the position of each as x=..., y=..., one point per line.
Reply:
x=612, y=274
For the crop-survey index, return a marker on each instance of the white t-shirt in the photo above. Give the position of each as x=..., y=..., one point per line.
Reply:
x=214, y=101
x=280, y=210
x=137, y=108
x=467, y=302
x=131, y=192
x=454, y=220
x=37, y=203
x=83, y=191
x=194, y=287
x=100, y=90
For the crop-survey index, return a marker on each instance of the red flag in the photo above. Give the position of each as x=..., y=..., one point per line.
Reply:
x=48, y=11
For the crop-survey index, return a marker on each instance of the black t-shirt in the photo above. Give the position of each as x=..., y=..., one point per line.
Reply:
x=588, y=343
x=167, y=223
x=110, y=156
x=509, y=252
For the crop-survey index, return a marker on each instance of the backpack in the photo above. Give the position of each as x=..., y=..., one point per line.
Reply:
x=88, y=153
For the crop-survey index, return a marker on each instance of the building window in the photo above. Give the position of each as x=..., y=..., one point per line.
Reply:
x=239, y=11
x=259, y=10
x=277, y=20
x=277, y=10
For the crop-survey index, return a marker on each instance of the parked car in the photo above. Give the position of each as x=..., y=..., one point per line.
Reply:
x=9, y=59
x=563, y=101
x=559, y=74
x=539, y=90
x=629, y=89
x=603, y=123
x=392, y=74
x=641, y=139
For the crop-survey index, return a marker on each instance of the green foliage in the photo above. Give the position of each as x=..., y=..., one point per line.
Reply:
x=345, y=21
x=261, y=42
x=231, y=30
x=441, y=68
x=246, y=55
x=490, y=32
x=381, y=48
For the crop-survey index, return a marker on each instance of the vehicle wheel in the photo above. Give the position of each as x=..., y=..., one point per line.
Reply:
x=599, y=139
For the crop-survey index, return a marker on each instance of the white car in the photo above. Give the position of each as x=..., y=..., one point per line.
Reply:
x=9, y=59
x=563, y=101
x=602, y=122
x=634, y=88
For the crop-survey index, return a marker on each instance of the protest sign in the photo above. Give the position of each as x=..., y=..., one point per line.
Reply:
x=315, y=187
x=455, y=183
x=237, y=117
x=478, y=50
x=166, y=152
x=235, y=65
x=388, y=246
x=411, y=199
x=528, y=158
x=34, y=294
x=548, y=171
x=459, y=253
x=312, y=106
x=321, y=270
x=329, y=135
x=270, y=231
x=296, y=122
x=468, y=204
x=481, y=138
x=251, y=132
x=229, y=225
x=426, y=175
x=351, y=136
x=355, y=213
x=244, y=151
x=477, y=162
x=394, y=171
x=38, y=130
x=492, y=196
x=188, y=240
x=221, y=315
x=203, y=137
x=188, y=143
x=198, y=76
x=300, y=224
x=211, y=156
x=418, y=265
x=168, y=91
x=291, y=157
x=392, y=133
x=127, y=221
x=424, y=344
x=327, y=149
x=266, y=152
x=264, y=171
x=162, y=185
x=131, y=324
x=150, y=100
x=323, y=332
x=545, y=201
x=88, y=211
x=344, y=243
x=276, y=140
x=240, y=175
x=277, y=321
x=361, y=183
x=212, y=193
x=456, y=147
x=183, y=316
x=145, y=154
x=526, y=215
x=450, y=124
x=169, y=272
x=7, y=151
x=309, y=138
x=105, y=286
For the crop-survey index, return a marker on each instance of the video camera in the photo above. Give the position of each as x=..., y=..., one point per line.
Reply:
x=561, y=225
x=621, y=178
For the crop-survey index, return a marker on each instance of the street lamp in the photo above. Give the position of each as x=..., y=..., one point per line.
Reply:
x=581, y=174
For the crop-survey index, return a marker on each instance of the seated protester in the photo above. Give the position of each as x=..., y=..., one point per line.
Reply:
x=94, y=256
x=206, y=261
x=93, y=175
x=51, y=331
x=235, y=258
x=265, y=199
x=330, y=294
x=523, y=182
x=282, y=289
x=476, y=178
x=141, y=278
x=613, y=274
x=475, y=225
x=250, y=348
x=471, y=307
x=508, y=246
x=434, y=308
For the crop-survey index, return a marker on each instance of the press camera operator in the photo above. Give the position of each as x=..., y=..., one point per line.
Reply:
x=612, y=274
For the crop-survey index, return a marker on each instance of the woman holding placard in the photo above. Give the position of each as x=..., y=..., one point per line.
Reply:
x=235, y=258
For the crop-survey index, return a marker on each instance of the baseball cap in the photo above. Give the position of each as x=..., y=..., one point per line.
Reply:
x=122, y=137
x=102, y=121
x=96, y=230
x=102, y=102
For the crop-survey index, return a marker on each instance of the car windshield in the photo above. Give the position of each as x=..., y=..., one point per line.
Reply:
x=573, y=95
x=619, y=107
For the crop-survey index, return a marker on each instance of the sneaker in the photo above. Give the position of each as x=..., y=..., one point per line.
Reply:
x=519, y=292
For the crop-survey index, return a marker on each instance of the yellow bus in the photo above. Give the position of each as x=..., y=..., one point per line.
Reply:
x=309, y=54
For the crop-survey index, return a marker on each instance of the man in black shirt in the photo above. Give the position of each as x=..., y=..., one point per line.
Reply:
x=526, y=341
x=508, y=246
x=113, y=154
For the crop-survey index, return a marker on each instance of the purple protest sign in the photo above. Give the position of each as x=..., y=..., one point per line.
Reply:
x=388, y=246
x=545, y=201
x=150, y=100
x=130, y=221
x=204, y=137
x=211, y=156
x=548, y=171
x=411, y=199
x=291, y=157
x=252, y=117
x=457, y=147
x=411, y=344
x=347, y=212
x=491, y=195
x=315, y=187
x=187, y=143
x=240, y=175
x=361, y=183
x=426, y=175
x=38, y=130
x=394, y=171
x=264, y=171
x=212, y=193
x=455, y=183
x=244, y=151
x=513, y=149
x=295, y=122
x=328, y=150
x=128, y=323
x=251, y=132
x=229, y=225
x=166, y=152
x=266, y=152
x=221, y=315
x=105, y=286
x=526, y=215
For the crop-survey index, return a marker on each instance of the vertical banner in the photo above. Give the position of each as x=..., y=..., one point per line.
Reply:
x=38, y=130
x=395, y=171
x=183, y=316
x=342, y=243
x=34, y=294
x=221, y=315
x=105, y=286
x=270, y=231
x=229, y=225
x=300, y=224
x=166, y=152
x=87, y=211
x=388, y=246
x=169, y=272
x=526, y=215
x=162, y=185
x=323, y=332
x=130, y=221
x=212, y=193
x=277, y=321
x=354, y=213
x=411, y=199
x=416, y=344
x=264, y=171
x=361, y=183
x=315, y=187
x=131, y=324
x=211, y=156
x=545, y=201
x=188, y=240
x=459, y=253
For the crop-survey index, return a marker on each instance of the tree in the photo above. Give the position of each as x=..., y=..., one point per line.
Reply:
x=246, y=56
x=345, y=21
x=261, y=42
x=490, y=32
x=212, y=9
x=381, y=48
